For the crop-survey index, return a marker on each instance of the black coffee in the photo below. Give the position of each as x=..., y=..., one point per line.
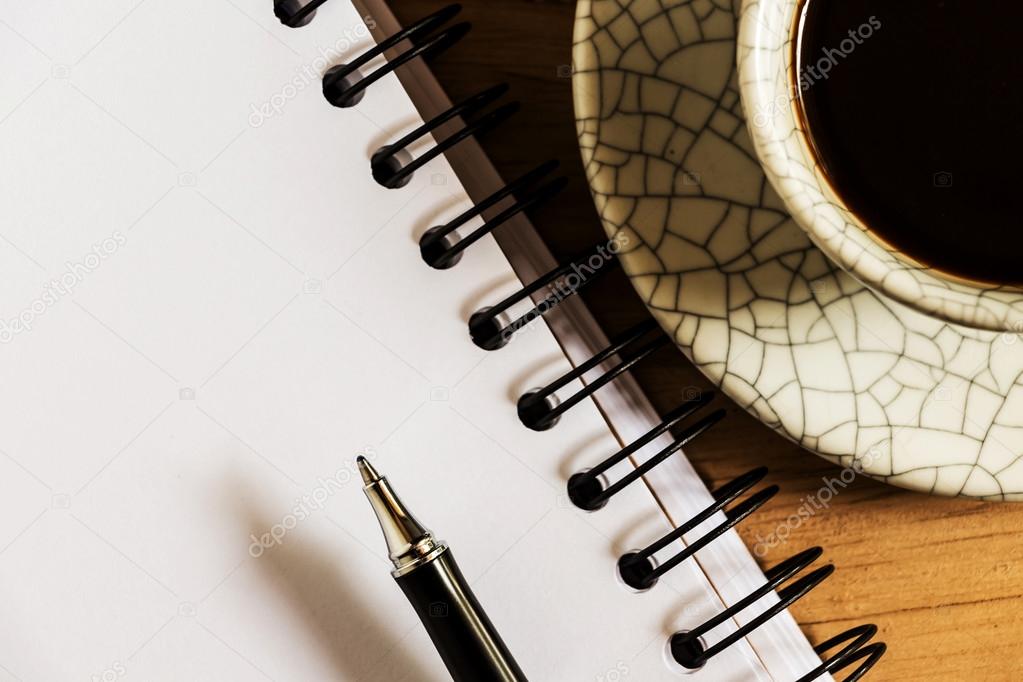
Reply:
x=915, y=110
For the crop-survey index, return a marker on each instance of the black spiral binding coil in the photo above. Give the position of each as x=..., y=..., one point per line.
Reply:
x=344, y=85
x=436, y=245
x=856, y=650
x=493, y=327
x=295, y=13
x=393, y=166
x=687, y=647
x=540, y=409
x=490, y=327
x=589, y=491
x=639, y=570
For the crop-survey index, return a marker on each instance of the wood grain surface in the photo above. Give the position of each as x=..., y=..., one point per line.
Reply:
x=942, y=578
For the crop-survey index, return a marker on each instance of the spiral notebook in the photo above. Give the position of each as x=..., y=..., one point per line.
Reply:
x=212, y=307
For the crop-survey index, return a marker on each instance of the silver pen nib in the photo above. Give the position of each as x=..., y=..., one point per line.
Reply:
x=369, y=474
x=409, y=543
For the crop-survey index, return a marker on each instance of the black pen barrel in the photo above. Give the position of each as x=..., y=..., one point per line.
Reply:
x=460, y=629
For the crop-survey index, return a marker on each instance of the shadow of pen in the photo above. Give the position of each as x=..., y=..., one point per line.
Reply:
x=339, y=615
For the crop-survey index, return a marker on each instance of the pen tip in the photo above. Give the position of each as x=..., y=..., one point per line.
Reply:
x=369, y=474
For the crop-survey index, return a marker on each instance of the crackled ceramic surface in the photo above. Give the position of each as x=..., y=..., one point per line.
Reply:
x=765, y=55
x=842, y=370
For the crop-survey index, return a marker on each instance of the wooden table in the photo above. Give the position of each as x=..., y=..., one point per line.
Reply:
x=941, y=578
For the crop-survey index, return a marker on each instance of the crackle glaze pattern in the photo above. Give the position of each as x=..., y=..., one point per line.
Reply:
x=843, y=371
x=765, y=55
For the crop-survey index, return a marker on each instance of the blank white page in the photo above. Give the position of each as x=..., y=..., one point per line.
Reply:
x=209, y=310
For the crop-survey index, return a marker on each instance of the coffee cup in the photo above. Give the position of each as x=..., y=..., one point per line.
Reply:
x=774, y=85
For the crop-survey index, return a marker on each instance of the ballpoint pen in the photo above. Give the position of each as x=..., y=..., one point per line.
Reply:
x=426, y=571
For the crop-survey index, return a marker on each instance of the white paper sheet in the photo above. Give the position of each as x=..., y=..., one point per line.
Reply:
x=209, y=310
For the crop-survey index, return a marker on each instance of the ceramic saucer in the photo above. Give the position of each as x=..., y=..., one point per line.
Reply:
x=840, y=369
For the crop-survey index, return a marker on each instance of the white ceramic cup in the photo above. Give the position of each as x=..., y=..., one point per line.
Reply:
x=768, y=83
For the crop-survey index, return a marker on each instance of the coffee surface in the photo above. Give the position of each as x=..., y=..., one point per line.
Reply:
x=914, y=110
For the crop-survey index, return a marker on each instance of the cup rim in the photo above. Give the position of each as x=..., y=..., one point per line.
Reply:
x=768, y=91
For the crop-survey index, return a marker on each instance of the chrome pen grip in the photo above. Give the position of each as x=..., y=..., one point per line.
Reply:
x=468, y=643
